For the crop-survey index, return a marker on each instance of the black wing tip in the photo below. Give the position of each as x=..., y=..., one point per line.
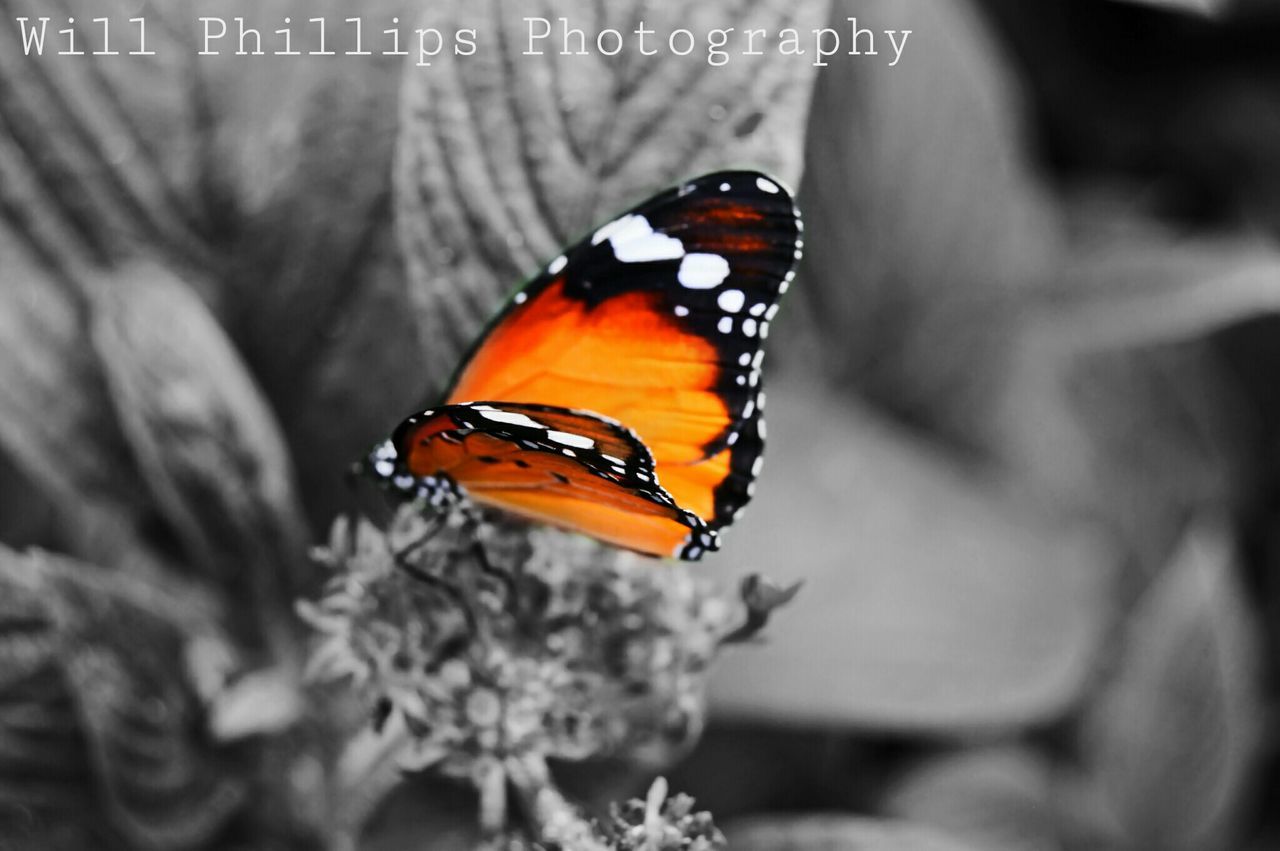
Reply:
x=749, y=174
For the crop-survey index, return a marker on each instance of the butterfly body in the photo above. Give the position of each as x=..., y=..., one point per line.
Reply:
x=623, y=381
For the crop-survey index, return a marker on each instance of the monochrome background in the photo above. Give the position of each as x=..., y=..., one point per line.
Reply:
x=1024, y=409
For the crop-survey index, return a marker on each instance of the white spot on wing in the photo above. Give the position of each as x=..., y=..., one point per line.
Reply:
x=725, y=324
x=731, y=300
x=702, y=271
x=570, y=439
x=757, y=308
x=724, y=187
x=557, y=264
x=767, y=185
x=509, y=418
x=681, y=310
x=744, y=358
x=521, y=298
x=749, y=327
x=384, y=468
x=634, y=241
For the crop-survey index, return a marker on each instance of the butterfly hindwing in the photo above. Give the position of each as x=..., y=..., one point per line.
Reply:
x=564, y=467
x=656, y=319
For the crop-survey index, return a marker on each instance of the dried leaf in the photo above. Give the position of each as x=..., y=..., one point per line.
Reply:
x=503, y=158
x=1171, y=743
x=1000, y=799
x=835, y=833
x=930, y=601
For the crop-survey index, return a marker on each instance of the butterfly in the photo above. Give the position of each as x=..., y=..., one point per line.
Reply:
x=617, y=393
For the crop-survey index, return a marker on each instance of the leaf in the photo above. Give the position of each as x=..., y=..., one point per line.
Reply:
x=315, y=293
x=1171, y=743
x=925, y=222
x=503, y=158
x=833, y=833
x=999, y=798
x=1135, y=438
x=103, y=155
x=120, y=712
x=931, y=601
x=1134, y=283
x=1050, y=335
x=54, y=400
x=205, y=441
x=99, y=171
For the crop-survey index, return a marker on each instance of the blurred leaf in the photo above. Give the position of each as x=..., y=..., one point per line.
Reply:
x=314, y=293
x=1000, y=799
x=930, y=601
x=1137, y=438
x=504, y=158
x=56, y=428
x=265, y=184
x=924, y=220
x=1171, y=743
x=259, y=703
x=104, y=156
x=204, y=440
x=1131, y=281
x=119, y=716
x=1208, y=8
x=1014, y=323
x=835, y=833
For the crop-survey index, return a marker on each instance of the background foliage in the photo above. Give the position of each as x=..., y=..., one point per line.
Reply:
x=1023, y=436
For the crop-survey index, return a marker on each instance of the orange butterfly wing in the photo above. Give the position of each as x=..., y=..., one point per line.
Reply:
x=656, y=321
x=562, y=467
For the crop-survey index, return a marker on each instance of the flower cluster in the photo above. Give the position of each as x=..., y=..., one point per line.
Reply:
x=657, y=823
x=493, y=641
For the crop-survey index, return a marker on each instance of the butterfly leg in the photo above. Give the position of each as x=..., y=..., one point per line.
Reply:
x=478, y=552
x=403, y=558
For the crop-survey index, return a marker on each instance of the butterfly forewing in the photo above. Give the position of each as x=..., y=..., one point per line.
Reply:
x=656, y=320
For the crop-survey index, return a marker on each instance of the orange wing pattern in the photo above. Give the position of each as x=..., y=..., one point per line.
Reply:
x=656, y=320
x=566, y=468
x=643, y=340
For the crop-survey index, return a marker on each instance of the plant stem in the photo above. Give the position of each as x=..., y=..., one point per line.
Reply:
x=551, y=816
